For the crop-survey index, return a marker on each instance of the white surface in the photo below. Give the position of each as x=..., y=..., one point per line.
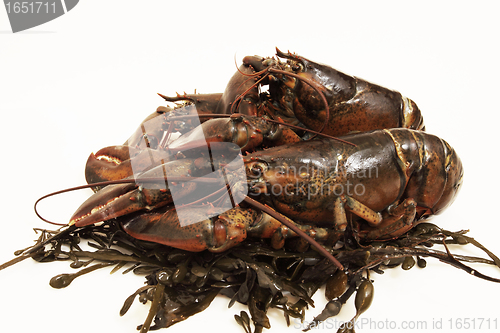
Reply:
x=87, y=79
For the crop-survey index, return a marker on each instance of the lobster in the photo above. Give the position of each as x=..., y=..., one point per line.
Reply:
x=385, y=181
x=306, y=94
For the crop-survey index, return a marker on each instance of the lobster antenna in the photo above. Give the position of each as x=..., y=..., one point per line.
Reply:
x=239, y=99
x=279, y=122
x=309, y=130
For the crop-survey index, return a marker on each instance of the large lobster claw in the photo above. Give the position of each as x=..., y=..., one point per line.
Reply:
x=216, y=234
x=123, y=199
x=120, y=162
x=242, y=94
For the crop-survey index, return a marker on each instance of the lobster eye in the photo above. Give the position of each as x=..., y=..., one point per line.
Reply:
x=256, y=170
x=298, y=67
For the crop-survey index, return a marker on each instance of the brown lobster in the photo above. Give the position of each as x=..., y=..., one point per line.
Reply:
x=296, y=88
x=385, y=183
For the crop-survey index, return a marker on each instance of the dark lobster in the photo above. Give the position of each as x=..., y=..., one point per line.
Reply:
x=295, y=95
x=389, y=179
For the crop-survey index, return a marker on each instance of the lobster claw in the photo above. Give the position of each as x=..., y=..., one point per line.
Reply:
x=108, y=164
x=217, y=233
x=148, y=192
x=120, y=162
x=240, y=87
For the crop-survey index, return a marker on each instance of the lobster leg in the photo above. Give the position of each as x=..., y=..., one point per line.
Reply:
x=354, y=206
x=269, y=227
x=400, y=220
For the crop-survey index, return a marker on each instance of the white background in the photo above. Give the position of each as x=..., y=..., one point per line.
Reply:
x=87, y=79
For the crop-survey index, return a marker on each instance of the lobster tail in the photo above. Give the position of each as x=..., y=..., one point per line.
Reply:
x=454, y=177
x=435, y=183
x=411, y=116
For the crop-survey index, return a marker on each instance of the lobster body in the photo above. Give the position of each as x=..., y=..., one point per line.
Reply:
x=386, y=168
